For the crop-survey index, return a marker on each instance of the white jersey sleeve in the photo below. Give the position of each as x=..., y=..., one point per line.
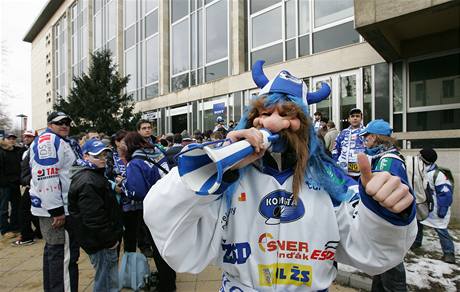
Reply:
x=188, y=236
x=370, y=243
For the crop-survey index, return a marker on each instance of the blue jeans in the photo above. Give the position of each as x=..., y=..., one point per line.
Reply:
x=446, y=241
x=393, y=280
x=105, y=262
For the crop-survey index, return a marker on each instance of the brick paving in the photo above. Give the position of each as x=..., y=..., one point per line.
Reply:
x=21, y=270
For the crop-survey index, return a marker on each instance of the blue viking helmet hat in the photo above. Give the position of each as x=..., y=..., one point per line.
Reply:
x=287, y=84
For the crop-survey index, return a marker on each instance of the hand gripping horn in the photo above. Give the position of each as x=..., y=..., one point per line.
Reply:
x=202, y=166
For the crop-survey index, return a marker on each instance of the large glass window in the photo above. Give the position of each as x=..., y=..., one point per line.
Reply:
x=60, y=57
x=397, y=87
x=180, y=41
x=332, y=10
x=199, y=42
x=105, y=24
x=347, y=97
x=382, y=91
x=267, y=19
x=79, y=37
x=367, y=94
x=216, y=32
x=434, y=82
x=334, y=37
x=141, y=44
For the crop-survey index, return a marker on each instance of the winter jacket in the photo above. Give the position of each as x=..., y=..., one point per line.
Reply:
x=142, y=174
x=443, y=198
x=26, y=175
x=347, y=146
x=51, y=158
x=95, y=210
x=10, y=164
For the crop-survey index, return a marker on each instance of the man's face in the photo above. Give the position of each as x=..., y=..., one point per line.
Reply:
x=145, y=130
x=355, y=120
x=28, y=139
x=62, y=127
x=93, y=135
x=317, y=117
x=11, y=140
x=99, y=160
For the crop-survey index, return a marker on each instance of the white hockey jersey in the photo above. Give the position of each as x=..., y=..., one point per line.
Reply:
x=50, y=160
x=266, y=241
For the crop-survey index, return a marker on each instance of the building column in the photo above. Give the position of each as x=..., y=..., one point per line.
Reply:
x=163, y=14
x=120, y=37
x=238, y=46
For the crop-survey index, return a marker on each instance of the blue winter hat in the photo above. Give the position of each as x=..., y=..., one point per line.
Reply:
x=94, y=147
x=379, y=127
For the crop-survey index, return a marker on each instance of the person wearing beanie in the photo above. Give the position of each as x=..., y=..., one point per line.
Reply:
x=384, y=156
x=441, y=188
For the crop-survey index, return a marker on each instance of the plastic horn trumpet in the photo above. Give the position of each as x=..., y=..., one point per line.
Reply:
x=202, y=166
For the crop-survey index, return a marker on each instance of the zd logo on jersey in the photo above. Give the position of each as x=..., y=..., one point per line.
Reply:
x=285, y=274
x=236, y=253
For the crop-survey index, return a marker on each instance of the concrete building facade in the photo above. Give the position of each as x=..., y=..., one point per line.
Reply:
x=190, y=60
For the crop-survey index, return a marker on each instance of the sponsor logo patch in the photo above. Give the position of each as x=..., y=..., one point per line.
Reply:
x=236, y=253
x=280, y=207
x=285, y=274
x=36, y=202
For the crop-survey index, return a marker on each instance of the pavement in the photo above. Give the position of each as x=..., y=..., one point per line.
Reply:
x=21, y=270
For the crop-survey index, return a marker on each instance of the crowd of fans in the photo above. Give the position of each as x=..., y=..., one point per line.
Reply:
x=87, y=190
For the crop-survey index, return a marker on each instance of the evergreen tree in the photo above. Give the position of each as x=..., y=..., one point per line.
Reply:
x=97, y=101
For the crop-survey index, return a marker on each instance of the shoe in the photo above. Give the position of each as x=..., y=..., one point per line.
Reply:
x=147, y=252
x=448, y=258
x=22, y=243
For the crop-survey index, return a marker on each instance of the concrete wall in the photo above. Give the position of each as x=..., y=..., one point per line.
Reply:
x=40, y=69
x=449, y=158
x=372, y=11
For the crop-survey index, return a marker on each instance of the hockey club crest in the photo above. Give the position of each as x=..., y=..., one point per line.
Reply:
x=280, y=207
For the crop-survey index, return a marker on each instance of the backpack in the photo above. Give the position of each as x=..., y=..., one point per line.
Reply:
x=415, y=174
x=134, y=268
x=447, y=173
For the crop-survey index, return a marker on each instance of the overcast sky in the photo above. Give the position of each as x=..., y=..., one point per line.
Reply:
x=16, y=17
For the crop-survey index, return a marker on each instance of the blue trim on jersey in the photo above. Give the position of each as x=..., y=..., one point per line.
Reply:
x=281, y=177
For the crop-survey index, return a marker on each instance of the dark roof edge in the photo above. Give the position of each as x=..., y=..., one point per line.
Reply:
x=42, y=19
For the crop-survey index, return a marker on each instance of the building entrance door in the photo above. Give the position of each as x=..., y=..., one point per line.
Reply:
x=346, y=94
x=179, y=123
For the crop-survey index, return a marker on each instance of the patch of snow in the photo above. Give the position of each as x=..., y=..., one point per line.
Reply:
x=424, y=268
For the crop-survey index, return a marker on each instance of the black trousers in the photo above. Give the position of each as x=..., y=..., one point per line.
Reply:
x=27, y=219
x=132, y=220
x=134, y=224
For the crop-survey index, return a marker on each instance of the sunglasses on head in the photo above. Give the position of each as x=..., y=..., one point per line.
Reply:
x=61, y=123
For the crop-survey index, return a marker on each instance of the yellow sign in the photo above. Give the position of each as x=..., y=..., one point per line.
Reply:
x=285, y=274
